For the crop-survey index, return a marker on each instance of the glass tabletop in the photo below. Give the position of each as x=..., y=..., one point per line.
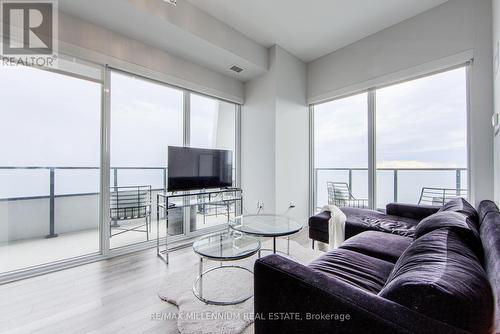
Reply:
x=265, y=225
x=226, y=246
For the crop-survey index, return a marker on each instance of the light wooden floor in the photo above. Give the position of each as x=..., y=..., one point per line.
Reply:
x=114, y=296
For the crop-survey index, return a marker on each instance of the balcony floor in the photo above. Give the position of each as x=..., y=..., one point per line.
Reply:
x=32, y=252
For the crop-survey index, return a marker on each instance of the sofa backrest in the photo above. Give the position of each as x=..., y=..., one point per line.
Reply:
x=489, y=230
x=457, y=222
x=460, y=205
x=439, y=275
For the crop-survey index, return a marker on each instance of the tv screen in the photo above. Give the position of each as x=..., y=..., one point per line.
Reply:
x=199, y=168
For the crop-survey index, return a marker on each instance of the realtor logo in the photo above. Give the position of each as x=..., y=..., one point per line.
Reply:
x=29, y=32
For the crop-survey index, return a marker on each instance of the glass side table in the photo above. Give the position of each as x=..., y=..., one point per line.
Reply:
x=222, y=247
x=266, y=225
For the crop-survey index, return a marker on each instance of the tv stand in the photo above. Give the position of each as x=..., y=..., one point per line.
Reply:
x=165, y=202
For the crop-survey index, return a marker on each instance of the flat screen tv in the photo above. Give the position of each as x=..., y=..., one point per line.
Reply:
x=199, y=168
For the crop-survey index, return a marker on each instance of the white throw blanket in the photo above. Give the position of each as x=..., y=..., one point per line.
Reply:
x=336, y=226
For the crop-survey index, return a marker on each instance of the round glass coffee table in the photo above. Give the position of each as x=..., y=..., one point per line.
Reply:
x=227, y=246
x=267, y=225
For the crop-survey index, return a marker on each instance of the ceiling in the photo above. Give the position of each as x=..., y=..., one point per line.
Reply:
x=313, y=28
x=218, y=34
x=183, y=30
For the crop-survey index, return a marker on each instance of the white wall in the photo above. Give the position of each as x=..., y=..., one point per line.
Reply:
x=496, y=73
x=292, y=136
x=83, y=39
x=453, y=28
x=258, y=140
x=275, y=137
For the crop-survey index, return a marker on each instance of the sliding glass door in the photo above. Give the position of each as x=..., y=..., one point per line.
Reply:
x=50, y=126
x=341, y=151
x=213, y=125
x=419, y=144
x=54, y=125
x=146, y=117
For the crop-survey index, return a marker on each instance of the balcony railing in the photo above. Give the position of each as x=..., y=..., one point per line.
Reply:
x=350, y=176
x=457, y=174
x=52, y=196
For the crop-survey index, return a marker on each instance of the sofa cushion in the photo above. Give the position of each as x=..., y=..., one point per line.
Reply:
x=383, y=246
x=440, y=276
x=490, y=236
x=462, y=206
x=361, y=220
x=356, y=269
x=320, y=221
x=456, y=221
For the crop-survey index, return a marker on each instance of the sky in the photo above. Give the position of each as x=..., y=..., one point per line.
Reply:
x=50, y=119
x=420, y=123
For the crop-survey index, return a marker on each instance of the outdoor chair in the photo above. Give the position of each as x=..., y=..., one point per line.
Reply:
x=340, y=195
x=439, y=196
x=130, y=203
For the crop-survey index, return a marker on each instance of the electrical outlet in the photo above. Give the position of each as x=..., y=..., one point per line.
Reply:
x=292, y=204
x=260, y=205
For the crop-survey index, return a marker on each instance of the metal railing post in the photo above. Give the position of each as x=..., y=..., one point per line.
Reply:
x=115, y=177
x=52, y=227
x=458, y=182
x=350, y=179
x=114, y=223
x=395, y=185
x=315, y=191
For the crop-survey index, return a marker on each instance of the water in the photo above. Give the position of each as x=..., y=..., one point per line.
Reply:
x=409, y=184
x=27, y=183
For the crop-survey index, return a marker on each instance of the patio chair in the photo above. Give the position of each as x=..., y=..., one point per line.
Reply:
x=130, y=203
x=439, y=196
x=339, y=194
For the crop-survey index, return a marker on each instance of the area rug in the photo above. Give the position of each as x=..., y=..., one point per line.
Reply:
x=196, y=317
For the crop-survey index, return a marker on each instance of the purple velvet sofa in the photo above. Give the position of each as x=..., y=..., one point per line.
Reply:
x=400, y=219
x=443, y=279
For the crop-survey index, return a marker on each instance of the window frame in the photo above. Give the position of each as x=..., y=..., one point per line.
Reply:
x=372, y=132
x=105, y=252
x=187, y=234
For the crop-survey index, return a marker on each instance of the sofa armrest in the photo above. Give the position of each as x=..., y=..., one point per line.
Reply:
x=323, y=216
x=292, y=298
x=414, y=211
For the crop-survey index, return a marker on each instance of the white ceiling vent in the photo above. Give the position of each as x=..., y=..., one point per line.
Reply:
x=236, y=69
